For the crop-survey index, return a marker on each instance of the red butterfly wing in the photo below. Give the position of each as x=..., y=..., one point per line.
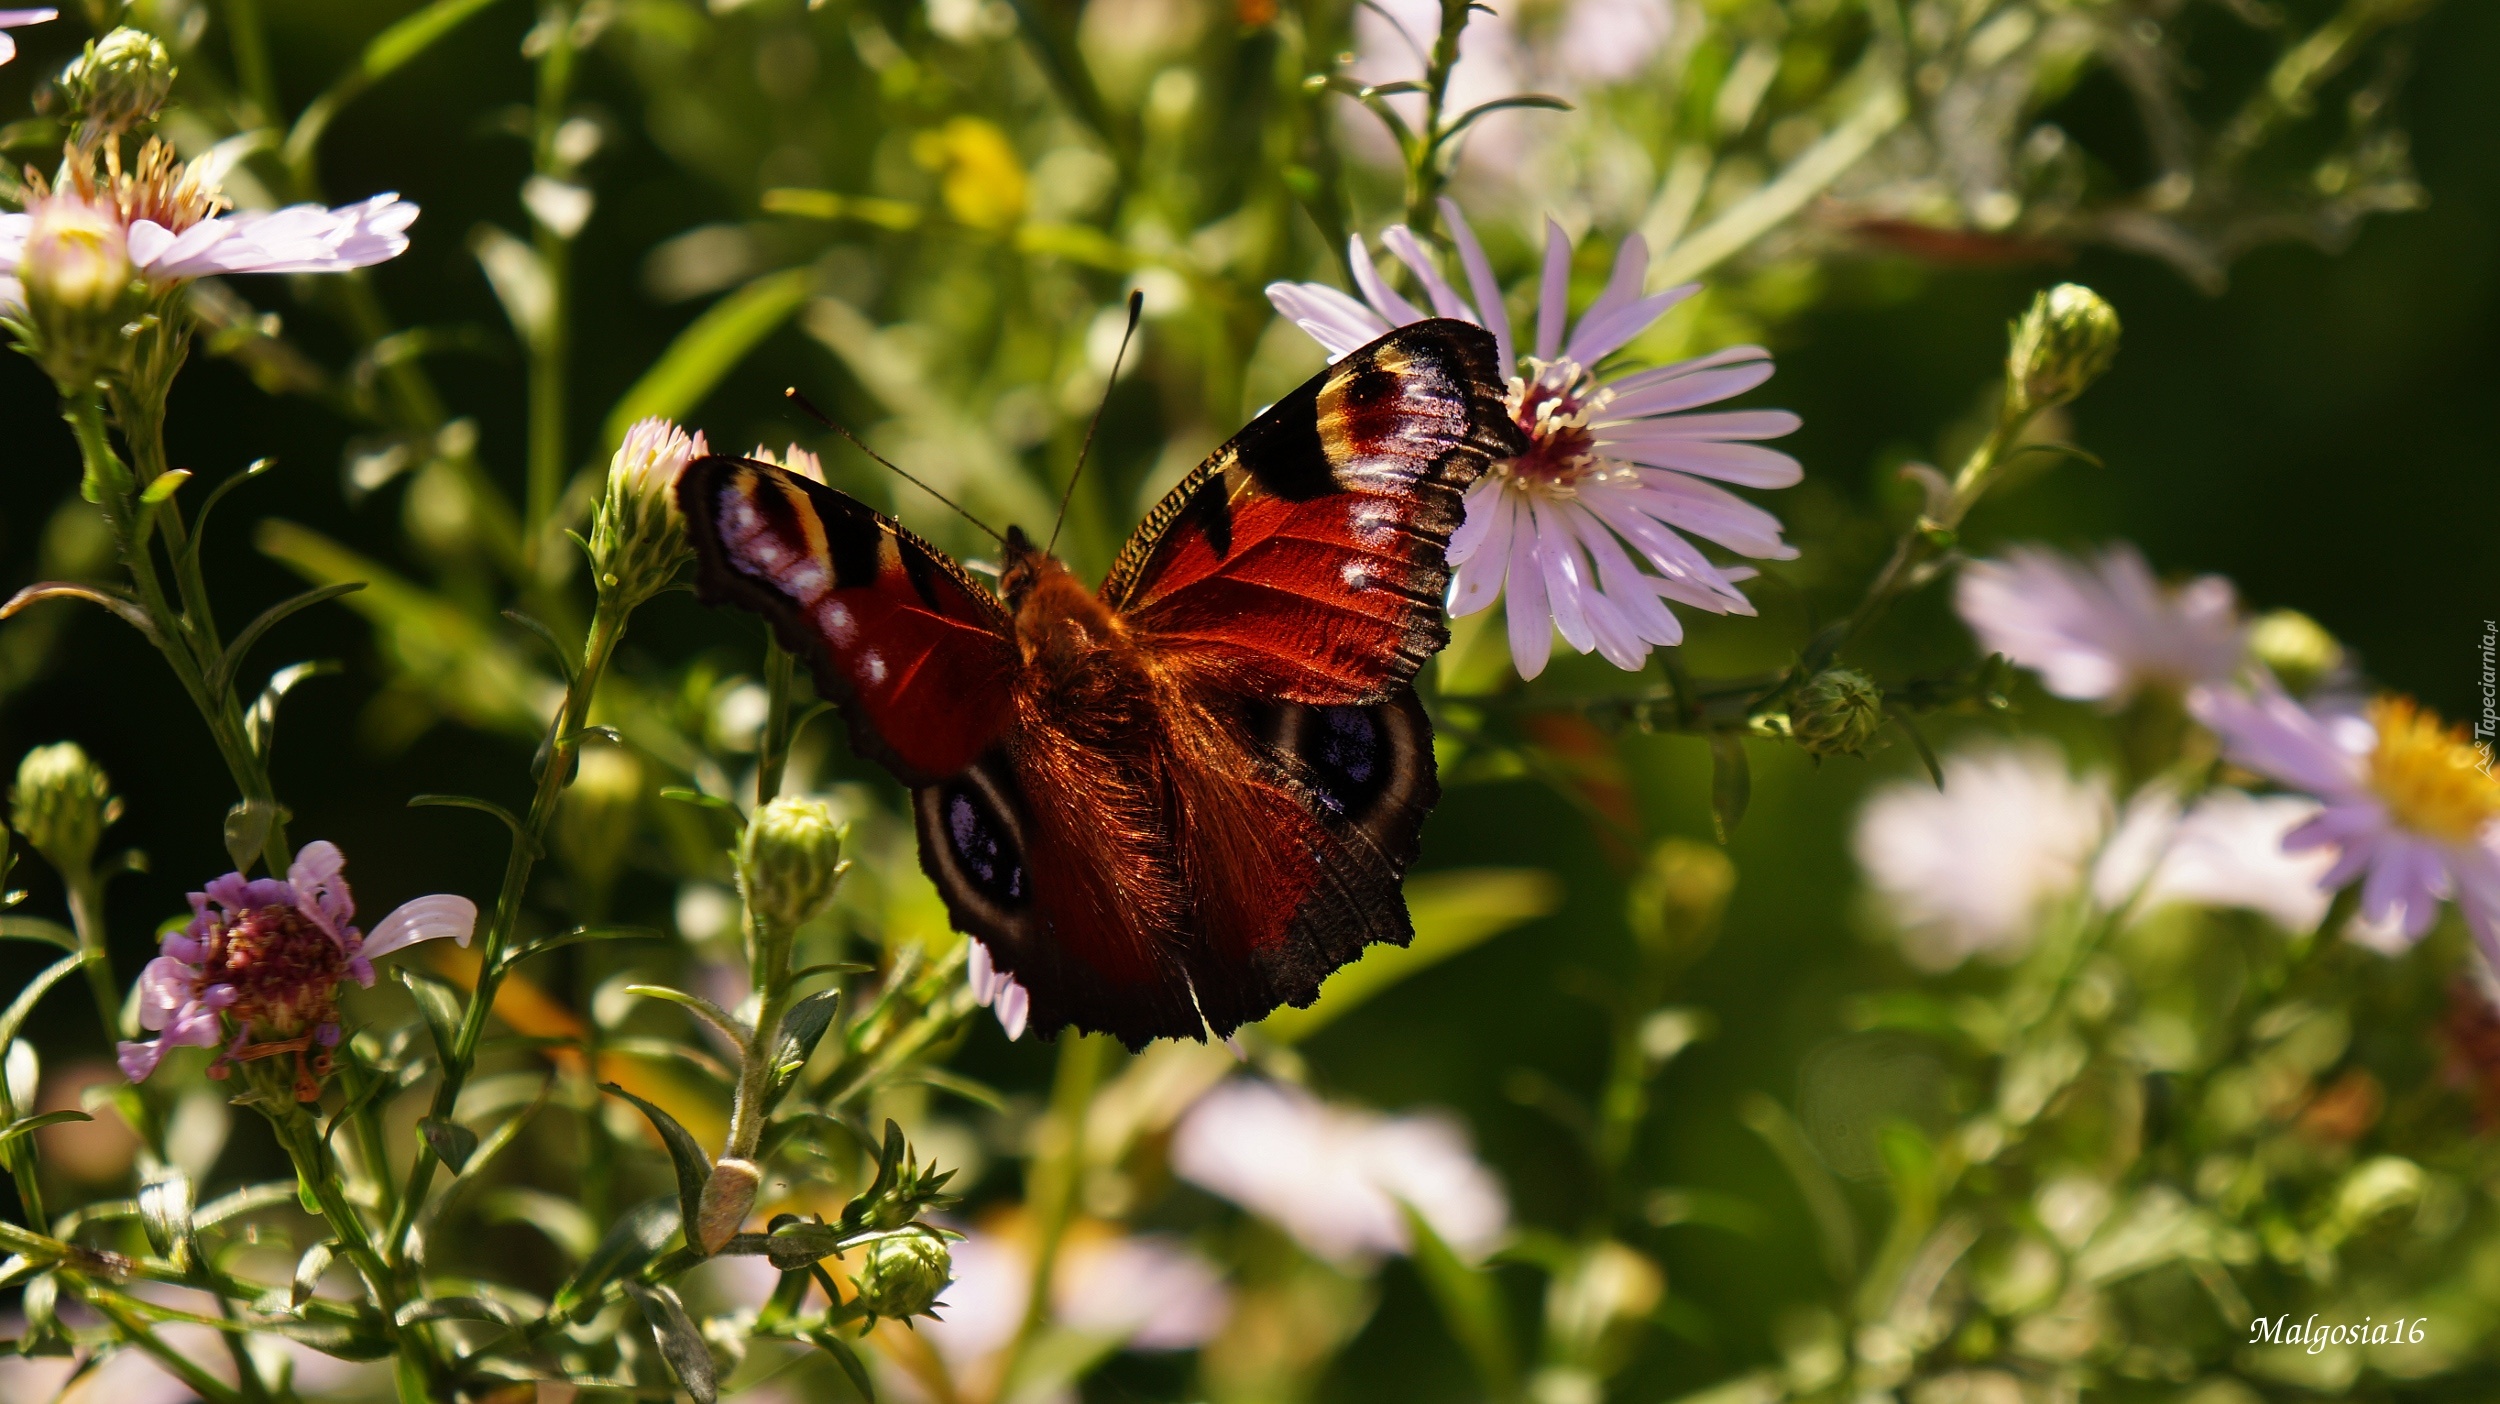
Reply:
x=1306, y=555
x=919, y=656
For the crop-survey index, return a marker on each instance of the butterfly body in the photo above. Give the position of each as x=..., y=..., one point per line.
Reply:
x=1181, y=800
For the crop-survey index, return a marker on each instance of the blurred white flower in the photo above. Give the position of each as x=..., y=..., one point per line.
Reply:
x=1967, y=869
x=1586, y=531
x=1335, y=1176
x=2224, y=851
x=2101, y=629
x=1149, y=1291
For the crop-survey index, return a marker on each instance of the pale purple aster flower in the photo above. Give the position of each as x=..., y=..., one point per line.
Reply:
x=1336, y=1177
x=1146, y=1292
x=19, y=19
x=1587, y=530
x=1967, y=870
x=2409, y=809
x=258, y=967
x=2101, y=629
x=998, y=991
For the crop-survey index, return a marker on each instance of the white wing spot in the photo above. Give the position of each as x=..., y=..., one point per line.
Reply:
x=834, y=617
x=872, y=667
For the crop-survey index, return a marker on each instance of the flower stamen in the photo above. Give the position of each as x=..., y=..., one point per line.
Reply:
x=2429, y=775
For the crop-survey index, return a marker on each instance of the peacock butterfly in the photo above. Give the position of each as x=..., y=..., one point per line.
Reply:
x=1181, y=801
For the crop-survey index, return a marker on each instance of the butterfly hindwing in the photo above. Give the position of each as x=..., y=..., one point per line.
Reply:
x=919, y=657
x=1307, y=554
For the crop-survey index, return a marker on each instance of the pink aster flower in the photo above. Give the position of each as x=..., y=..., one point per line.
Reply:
x=2409, y=810
x=2102, y=629
x=19, y=19
x=258, y=968
x=998, y=991
x=1588, y=529
x=173, y=229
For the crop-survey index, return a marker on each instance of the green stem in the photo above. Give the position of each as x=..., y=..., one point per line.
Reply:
x=315, y=1169
x=772, y=755
x=1424, y=167
x=607, y=627
x=134, y=1328
x=1058, y=1173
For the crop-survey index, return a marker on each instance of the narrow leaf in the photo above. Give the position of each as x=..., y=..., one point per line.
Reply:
x=1731, y=782
x=308, y=1271
x=730, y=1026
x=848, y=1359
x=629, y=1243
x=128, y=609
x=578, y=935
x=261, y=723
x=708, y=350
x=29, y=928
x=801, y=1030
x=14, y=1018
x=268, y=619
x=1470, y=1306
x=565, y=657
x=1830, y=1208
x=1918, y=741
x=679, y=1341
x=413, y=35
x=27, y=1125
x=438, y=1003
x=165, y=1204
x=684, y=1152
x=453, y=1143
x=520, y=834
x=217, y=494
x=247, y=829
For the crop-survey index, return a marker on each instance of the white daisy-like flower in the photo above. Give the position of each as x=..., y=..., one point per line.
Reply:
x=1587, y=531
x=1967, y=870
x=2102, y=629
x=2407, y=806
x=172, y=228
x=1335, y=1177
x=2225, y=850
x=1146, y=1292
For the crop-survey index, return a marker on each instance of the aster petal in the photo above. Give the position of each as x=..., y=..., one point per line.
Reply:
x=318, y=877
x=1721, y=424
x=979, y=973
x=2267, y=732
x=1480, y=281
x=195, y=1025
x=1553, y=291
x=8, y=52
x=1566, y=574
x=1667, y=552
x=1713, y=513
x=1531, y=623
x=1475, y=518
x=1337, y=322
x=19, y=19
x=165, y=986
x=147, y=241
x=196, y=251
x=1445, y=300
x=423, y=919
x=1747, y=465
x=232, y=892
x=1622, y=581
x=1683, y=385
x=1376, y=291
x=1013, y=1008
x=138, y=1060
x=1478, y=581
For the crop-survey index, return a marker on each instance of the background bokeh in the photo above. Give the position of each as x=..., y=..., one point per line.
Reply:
x=2319, y=430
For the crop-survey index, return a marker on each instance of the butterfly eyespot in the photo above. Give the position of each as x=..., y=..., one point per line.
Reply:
x=973, y=847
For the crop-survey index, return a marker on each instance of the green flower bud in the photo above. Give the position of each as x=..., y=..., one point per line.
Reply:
x=62, y=803
x=2296, y=648
x=80, y=289
x=902, y=1274
x=2060, y=346
x=638, y=539
x=120, y=82
x=1678, y=897
x=1836, y=713
x=790, y=862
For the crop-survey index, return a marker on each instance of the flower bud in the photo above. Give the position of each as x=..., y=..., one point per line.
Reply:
x=1836, y=713
x=902, y=1274
x=2296, y=648
x=62, y=803
x=637, y=539
x=790, y=862
x=120, y=82
x=1678, y=897
x=727, y=1197
x=2060, y=346
x=79, y=288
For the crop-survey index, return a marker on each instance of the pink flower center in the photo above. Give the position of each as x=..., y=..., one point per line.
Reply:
x=284, y=970
x=1552, y=404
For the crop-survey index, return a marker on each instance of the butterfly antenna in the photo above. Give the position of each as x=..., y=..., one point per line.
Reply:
x=827, y=420
x=1136, y=304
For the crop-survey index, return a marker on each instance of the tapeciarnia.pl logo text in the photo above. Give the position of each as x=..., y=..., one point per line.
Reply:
x=2282, y=1330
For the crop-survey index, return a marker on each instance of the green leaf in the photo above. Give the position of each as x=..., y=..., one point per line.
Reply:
x=261, y=723
x=679, y=1341
x=1918, y=740
x=848, y=1359
x=564, y=657
x=413, y=35
x=1731, y=782
x=165, y=1205
x=1470, y=1303
x=14, y=1018
x=27, y=1125
x=222, y=677
x=520, y=833
x=684, y=1152
x=217, y=494
x=578, y=935
x=729, y=1025
x=1453, y=911
x=129, y=609
x=308, y=1271
x=708, y=350
x=438, y=1002
x=630, y=1242
x=28, y=928
x=1830, y=1208
x=453, y=1143
x=247, y=830
x=801, y=1030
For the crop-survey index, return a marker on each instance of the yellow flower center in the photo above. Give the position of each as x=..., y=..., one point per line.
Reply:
x=2431, y=777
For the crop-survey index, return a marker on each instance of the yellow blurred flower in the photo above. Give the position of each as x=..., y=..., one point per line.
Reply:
x=981, y=180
